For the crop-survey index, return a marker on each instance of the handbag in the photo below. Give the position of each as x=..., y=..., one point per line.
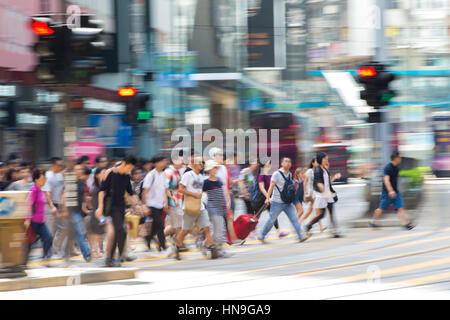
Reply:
x=192, y=205
x=308, y=198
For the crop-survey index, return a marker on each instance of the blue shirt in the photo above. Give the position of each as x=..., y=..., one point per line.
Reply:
x=391, y=171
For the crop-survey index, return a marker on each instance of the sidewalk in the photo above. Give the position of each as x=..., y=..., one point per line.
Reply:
x=57, y=277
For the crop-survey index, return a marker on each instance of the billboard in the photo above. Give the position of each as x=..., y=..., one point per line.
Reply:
x=111, y=130
x=260, y=38
x=296, y=45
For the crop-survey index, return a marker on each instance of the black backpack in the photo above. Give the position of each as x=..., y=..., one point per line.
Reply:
x=288, y=193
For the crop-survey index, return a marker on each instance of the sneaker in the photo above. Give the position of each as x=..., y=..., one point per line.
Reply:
x=204, y=249
x=303, y=239
x=47, y=262
x=128, y=259
x=214, y=252
x=261, y=239
x=109, y=263
x=177, y=253
x=336, y=235
x=184, y=249
x=116, y=264
x=308, y=232
x=88, y=259
x=374, y=225
x=169, y=252
x=409, y=226
x=282, y=234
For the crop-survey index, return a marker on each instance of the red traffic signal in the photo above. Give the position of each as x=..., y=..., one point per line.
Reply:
x=127, y=92
x=367, y=72
x=41, y=28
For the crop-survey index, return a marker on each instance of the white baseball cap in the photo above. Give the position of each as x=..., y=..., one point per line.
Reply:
x=211, y=164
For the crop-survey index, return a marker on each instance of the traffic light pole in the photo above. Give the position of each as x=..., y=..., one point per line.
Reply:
x=382, y=128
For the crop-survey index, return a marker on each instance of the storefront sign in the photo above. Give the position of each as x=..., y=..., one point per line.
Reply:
x=7, y=91
x=33, y=119
x=90, y=149
x=103, y=106
x=174, y=69
x=112, y=131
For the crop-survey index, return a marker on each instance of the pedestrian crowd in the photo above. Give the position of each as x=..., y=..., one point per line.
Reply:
x=167, y=200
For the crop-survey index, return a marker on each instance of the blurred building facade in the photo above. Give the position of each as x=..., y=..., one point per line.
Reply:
x=219, y=62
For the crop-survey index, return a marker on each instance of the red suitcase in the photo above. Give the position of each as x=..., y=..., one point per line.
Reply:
x=243, y=225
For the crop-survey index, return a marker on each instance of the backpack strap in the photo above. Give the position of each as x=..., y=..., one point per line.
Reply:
x=282, y=174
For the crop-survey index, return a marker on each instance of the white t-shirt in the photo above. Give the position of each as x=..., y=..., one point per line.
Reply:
x=193, y=183
x=158, y=184
x=279, y=181
x=54, y=185
x=321, y=197
x=309, y=186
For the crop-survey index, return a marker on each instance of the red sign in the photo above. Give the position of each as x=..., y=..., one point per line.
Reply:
x=90, y=149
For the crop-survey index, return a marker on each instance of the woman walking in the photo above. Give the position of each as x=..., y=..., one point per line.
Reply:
x=309, y=196
x=36, y=217
x=325, y=194
x=96, y=227
x=264, y=183
x=299, y=194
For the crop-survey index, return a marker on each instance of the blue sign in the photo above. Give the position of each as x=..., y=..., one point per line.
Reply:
x=174, y=69
x=7, y=206
x=112, y=130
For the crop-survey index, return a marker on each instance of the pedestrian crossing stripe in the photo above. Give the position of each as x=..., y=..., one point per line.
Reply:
x=403, y=236
x=369, y=261
x=426, y=280
x=397, y=270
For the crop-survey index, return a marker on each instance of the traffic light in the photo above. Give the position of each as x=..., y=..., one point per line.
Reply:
x=375, y=80
x=137, y=111
x=67, y=55
x=86, y=48
x=52, y=49
x=143, y=114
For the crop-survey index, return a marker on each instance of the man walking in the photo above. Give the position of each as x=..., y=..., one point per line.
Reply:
x=57, y=219
x=175, y=211
x=113, y=188
x=390, y=194
x=191, y=185
x=77, y=228
x=278, y=202
x=154, y=195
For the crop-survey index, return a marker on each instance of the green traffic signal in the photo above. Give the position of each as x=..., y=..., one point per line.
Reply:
x=144, y=115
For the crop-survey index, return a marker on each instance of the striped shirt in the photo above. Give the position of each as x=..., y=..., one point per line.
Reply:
x=216, y=204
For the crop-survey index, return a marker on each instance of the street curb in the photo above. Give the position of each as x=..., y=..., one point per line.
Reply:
x=77, y=277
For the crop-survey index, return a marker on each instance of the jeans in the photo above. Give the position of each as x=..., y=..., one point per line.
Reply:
x=275, y=210
x=59, y=227
x=44, y=234
x=77, y=229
